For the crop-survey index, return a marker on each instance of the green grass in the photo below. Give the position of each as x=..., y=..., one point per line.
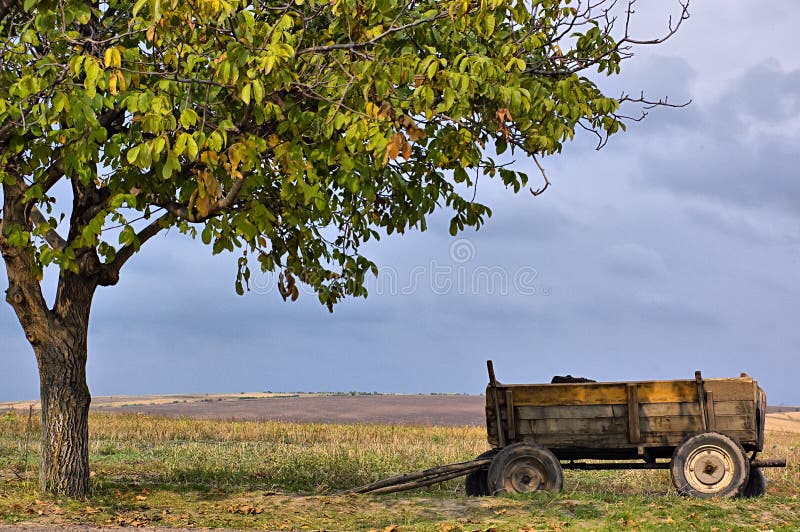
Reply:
x=285, y=476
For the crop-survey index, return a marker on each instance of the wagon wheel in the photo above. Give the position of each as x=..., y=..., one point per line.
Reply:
x=524, y=467
x=756, y=484
x=709, y=464
x=477, y=483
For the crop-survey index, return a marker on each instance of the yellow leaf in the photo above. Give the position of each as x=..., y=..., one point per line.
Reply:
x=121, y=80
x=112, y=83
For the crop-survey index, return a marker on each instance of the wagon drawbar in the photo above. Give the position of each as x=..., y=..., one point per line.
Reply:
x=707, y=432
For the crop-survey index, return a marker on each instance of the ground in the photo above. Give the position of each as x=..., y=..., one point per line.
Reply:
x=263, y=461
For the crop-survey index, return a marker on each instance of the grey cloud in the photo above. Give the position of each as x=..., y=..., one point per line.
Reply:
x=722, y=154
x=634, y=260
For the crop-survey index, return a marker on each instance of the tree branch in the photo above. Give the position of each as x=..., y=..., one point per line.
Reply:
x=24, y=292
x=182, y=211
x=111, y=270
x=52, y=237
x=357, y=45
x=5, y=7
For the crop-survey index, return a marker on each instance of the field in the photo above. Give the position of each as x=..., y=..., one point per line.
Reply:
x=164, y=471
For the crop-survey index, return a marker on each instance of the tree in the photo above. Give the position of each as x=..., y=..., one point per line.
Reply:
x=287, y=131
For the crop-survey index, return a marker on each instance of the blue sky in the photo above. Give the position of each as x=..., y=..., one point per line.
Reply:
x=674, y=248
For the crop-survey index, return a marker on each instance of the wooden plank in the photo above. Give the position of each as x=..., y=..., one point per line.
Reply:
x=669, y=409
x=634, y=434
x=677, y=424
x=565, y=412
x=525, y=426
x=667, y=391
x=734, y=408
x=569, y=394
x=614, y=392
x=590, y=428
x=594, y=426
x=743, y=389
x=590, y=441
x=602, y=393
x=725, y=423
x=701, y=399
x=620, y=440
x=512, y=431
x=666, y=439
x=712, y=418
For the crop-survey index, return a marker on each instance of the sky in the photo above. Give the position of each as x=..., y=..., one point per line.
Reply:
x=674, y=248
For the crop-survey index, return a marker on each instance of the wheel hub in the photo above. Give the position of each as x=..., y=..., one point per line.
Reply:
x=709, y=469
x=525, y=477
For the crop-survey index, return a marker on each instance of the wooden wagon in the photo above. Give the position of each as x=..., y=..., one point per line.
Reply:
x=707, y=432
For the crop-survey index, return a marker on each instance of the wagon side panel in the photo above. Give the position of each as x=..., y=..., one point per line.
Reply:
x=622, y=416
x=733, y=409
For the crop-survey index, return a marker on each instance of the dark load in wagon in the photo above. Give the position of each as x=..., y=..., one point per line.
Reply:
x=707, y=432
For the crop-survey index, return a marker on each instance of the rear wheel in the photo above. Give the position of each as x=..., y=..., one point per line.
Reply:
x=709, y=464
x=525, y=467
x=477, y=483
x=756, y=484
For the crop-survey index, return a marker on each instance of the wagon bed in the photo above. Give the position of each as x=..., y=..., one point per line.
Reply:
x=624, y=420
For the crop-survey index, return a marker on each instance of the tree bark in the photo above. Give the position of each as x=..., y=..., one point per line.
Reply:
x=61, y=356
x=64, y=462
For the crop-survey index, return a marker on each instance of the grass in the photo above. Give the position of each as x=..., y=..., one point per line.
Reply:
x=284, y=476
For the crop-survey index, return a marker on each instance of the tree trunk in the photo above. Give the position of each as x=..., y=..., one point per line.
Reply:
x=58, y=337
x=64, y=464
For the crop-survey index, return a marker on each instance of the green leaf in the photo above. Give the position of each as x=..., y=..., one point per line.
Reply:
x=138, y=7
x=133, y=154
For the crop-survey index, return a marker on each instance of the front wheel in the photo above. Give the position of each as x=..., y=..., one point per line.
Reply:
x=525, y=467
x=477, y=483
x=709, y=464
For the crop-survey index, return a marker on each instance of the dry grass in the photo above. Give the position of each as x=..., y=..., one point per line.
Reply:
x=284, y=476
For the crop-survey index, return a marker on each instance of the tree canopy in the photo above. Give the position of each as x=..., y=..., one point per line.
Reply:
x=287, y=131
x=292, y=131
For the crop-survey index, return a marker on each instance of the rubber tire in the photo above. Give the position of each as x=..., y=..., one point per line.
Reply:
x=756, y=484
x=477, y=482
x=726, y=449
x=516, y=465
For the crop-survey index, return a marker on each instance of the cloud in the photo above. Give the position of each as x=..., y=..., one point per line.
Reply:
x=633, y=260
x=733, y=150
